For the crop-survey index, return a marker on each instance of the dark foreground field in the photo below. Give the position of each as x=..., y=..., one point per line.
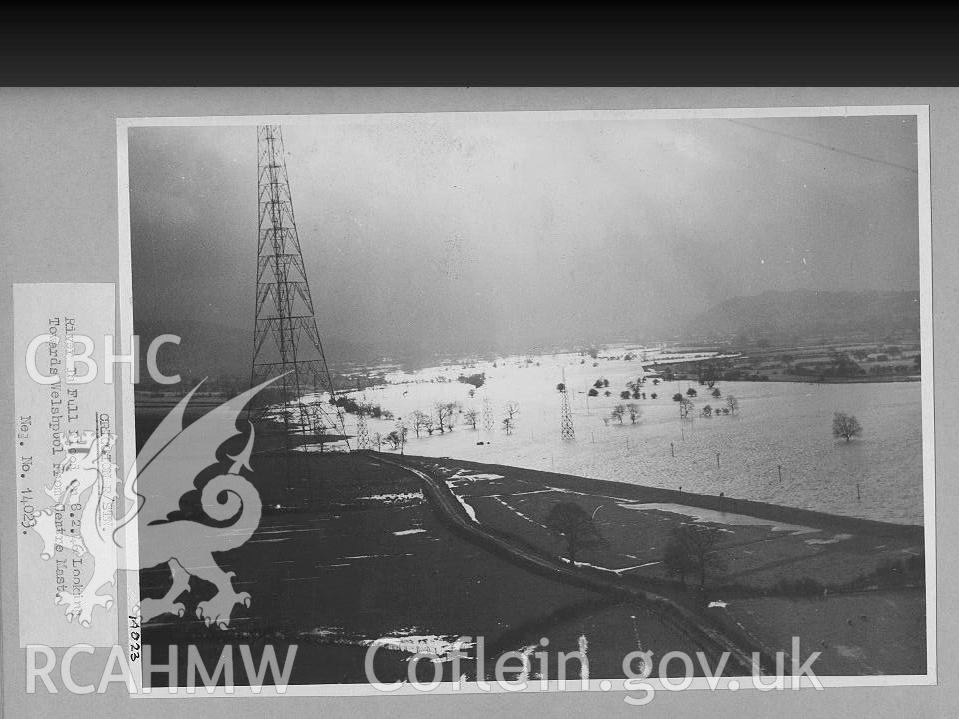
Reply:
x=853, y=590
x=372, y=560
x=356, y=552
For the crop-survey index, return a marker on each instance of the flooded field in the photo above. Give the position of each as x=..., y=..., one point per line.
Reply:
x=778, y=446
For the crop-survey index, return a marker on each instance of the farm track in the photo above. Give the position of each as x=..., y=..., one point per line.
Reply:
x=684, y=620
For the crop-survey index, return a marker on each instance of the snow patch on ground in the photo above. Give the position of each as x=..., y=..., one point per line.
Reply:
x=438, y=648
x=409, y=531
x=462, y=474
x=716, y=517
x=606, y=569
x=325, y=632
x=469, y=509
x=835, y=539
x=584, y=667
x=526, y=652
x=400, y=498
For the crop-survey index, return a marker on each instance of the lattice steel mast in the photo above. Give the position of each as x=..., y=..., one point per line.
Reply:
x=566, y=414
x=363, y=440
x=286, y=340
x=487, y=415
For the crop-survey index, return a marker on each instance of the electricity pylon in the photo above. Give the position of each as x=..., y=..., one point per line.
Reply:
x=487, y=415
x=286, y=340
x=362, y=432
x=566, y=416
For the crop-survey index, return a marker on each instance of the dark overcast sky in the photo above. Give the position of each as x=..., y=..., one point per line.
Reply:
x=493, y=229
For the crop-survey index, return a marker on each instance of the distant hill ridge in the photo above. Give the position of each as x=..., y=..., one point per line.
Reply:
x=209, y=348
x=810, y=312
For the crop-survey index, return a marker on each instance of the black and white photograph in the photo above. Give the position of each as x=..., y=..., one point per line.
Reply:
x=457, y=399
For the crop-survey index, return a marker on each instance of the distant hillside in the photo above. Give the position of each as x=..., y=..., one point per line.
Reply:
x=809, y=313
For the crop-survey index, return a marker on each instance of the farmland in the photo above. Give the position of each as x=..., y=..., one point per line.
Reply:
x=777, y=447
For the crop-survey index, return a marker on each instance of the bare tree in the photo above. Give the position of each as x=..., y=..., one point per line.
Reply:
x=397, y=438
x=574, y=523
x=445, y=412
x=634, y=412
x=845, y=425
x=440, y=408
x=618, y=412
x=471, y=416
x=685, y=407
x=452, y=408
x=692, y=547
x=732, y=403
x=402, y=431
x=418, y=421
x=509, y=421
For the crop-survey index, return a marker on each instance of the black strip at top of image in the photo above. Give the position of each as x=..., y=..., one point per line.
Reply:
x=479, y=45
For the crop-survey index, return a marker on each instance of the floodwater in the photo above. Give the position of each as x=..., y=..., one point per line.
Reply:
x=777, y=448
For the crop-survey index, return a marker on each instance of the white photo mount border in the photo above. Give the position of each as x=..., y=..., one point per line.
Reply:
x=920, y=112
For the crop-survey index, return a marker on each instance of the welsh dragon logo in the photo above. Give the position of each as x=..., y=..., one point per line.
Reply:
x=166, y=470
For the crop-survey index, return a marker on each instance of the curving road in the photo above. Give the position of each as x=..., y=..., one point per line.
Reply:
x=450, y=509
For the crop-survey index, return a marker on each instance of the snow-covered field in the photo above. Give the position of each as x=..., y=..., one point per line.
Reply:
x=778, y=423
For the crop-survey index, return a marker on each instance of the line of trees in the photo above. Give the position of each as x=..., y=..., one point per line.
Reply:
x=621, y=411
x=686, y=404
x=443, y=418
x=349, y=404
